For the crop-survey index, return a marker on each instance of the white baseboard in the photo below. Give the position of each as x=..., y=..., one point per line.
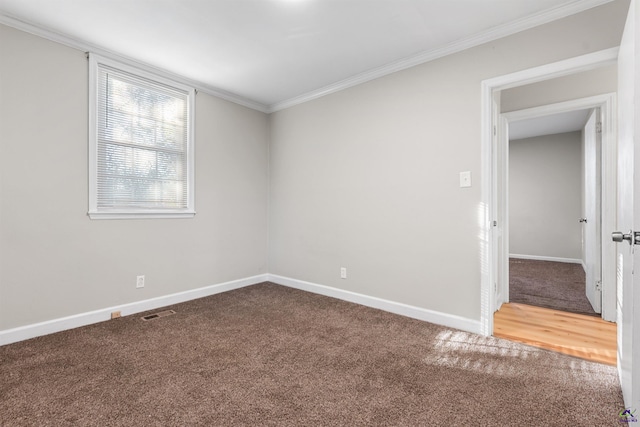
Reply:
x=546, y=258
x=61, y=324
x=56, y=325
x=424, y=314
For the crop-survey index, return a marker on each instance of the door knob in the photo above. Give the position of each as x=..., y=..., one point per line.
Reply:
x=618, y=236
x=633, y=237
x=582, y=220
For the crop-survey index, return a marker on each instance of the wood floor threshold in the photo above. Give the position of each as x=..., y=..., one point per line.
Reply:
x=586, y=337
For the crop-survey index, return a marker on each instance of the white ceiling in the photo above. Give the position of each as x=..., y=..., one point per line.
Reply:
x=270, y=53
x=549, y=125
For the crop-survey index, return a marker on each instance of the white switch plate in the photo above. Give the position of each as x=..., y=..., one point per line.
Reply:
x=343, y=272
x=465, y=179
x=140, y=282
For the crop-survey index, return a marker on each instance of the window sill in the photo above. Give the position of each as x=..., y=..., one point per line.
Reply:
x=140, y=215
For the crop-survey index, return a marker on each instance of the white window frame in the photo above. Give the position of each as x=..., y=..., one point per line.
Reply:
x=136, y=212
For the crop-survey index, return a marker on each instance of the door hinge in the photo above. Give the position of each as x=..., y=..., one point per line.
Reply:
x=495, y=131
x=599, y=127
x=598, y=285
x=494, y=223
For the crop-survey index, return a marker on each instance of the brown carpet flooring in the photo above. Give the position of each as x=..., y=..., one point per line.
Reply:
x=556, y=285
x=267, y=355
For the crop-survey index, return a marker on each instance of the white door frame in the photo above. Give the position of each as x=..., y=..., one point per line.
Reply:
x=489, y=125
x=606, y=103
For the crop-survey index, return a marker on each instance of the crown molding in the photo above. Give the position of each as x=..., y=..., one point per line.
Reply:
x=78, y=44
x=545, y=17
x=487, y=36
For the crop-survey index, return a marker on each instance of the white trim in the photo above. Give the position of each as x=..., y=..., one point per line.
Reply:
x=562, y=68
x=143, y=215
x=561, y=107
x=449, y=320
x=449, y=49
x=22, y=333
x=96, y=62
x=402, y=64
x=607, y=105
x=487, y=211
x=488, y=88
x=84, y=46
x=56, y=325
x=546, y=258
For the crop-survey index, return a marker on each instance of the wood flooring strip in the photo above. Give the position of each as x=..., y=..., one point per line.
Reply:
x=587, y=337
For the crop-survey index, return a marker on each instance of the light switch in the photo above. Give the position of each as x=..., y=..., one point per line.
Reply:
x=465, y=179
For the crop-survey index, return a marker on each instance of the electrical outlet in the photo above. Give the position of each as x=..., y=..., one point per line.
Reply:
x=343, y=272
x=140, y=282
x=115, y=314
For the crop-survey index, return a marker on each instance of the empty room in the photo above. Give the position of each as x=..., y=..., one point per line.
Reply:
x=297, y=212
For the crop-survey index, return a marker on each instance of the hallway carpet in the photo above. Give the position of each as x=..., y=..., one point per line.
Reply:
x=556, y=285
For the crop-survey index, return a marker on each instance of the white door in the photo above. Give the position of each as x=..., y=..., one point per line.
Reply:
x=591, y=228
x=628, y=254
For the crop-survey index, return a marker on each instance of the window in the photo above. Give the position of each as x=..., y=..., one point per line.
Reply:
x=140, y=144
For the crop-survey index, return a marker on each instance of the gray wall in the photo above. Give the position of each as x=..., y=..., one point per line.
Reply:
x=545, y=196
x=55, y=261
x=367, y=178
x=581, y=85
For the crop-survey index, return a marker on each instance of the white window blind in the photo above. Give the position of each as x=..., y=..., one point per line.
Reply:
x=142, y=149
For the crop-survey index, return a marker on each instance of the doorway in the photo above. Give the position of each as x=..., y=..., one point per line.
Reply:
x=594, y=174
x=494, y=239
x=596, y=253
x=553, y=212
